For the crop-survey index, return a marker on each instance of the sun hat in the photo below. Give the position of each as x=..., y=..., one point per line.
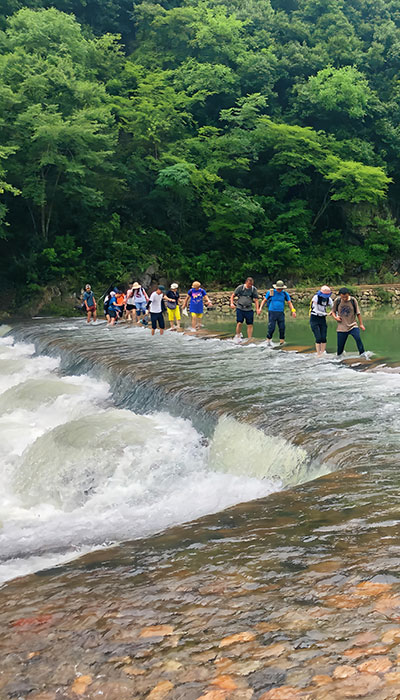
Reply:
x=325, y=291
x=174, y=285
x=343, y=290
x=136, y=285
x=112, y=294
x=279, y=285
x=87, y=286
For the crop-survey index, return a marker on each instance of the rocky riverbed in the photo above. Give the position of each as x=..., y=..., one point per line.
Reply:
x=294, y=597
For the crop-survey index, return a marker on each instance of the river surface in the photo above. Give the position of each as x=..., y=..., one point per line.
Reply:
x=238, y=503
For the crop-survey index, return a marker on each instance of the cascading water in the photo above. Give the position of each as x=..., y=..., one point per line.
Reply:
x=79, y=473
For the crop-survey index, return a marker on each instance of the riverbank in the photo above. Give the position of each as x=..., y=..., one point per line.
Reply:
x=60, y=301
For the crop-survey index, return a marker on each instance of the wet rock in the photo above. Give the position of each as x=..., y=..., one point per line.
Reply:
x=237, y=639
x=392, y=677
x=224, y=682
x=370, y=589
x=344, y=672
x=368, y=651
x=391, y=635
x=360, y=685
x=364, y=638
x=285, y=692
x=133, y=671
x=213, y=695
x=270, y=651
x=389, y=606
x=156, y=631
x=19, y=688
x=160, y=691
x=80, y=684
x=381, y=665
x=321, y=680
x=266, y=679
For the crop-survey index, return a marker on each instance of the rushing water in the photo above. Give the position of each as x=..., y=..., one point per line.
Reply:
x=109, y=435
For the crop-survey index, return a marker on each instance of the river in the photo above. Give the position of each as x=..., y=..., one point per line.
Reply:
x=255, y=489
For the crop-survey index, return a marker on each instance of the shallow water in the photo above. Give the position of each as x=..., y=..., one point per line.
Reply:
x=109, y=436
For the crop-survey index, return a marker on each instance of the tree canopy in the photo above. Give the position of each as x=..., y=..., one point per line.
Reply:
x=212, y=139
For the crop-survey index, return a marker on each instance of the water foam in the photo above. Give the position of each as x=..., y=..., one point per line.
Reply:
x=79, y=473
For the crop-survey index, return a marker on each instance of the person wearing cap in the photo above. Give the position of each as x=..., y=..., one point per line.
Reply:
x=275, y=300
x=245, y=295
x=156, y=309
x=172, y=304
x=90, y=304
x=320, y=308
x=140, y=300
x=197, y=296
x=346, y=312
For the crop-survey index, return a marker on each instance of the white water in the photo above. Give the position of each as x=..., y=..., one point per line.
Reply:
x=78, y=474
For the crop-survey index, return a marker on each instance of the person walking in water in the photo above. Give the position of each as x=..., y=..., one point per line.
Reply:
x=275, y=300
x=245, y=294
x=346, y=312
x=140, y=300
x=320, y=308
x=172, y=304
x=90, y=304
x=156, y=309
x=197, y=296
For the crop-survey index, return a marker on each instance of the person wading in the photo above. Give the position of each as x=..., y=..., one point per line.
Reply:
x=90, y=304
x=320, y=308
x=245, y=295
x=197, y=296
x=275, y=300
x=172, y=303
x=346, y=312
x=156, y=309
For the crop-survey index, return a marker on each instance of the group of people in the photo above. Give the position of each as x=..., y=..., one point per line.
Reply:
x=138, y=307
x=344, y=309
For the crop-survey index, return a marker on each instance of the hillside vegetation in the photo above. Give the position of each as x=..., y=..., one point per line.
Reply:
x=213, y=140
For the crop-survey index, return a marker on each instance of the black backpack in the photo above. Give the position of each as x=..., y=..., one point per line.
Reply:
x=337, y=302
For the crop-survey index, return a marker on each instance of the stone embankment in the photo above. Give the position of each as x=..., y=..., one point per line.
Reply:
x=373, y=295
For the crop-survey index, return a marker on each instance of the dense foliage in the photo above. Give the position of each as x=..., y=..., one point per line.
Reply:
x=214, y=140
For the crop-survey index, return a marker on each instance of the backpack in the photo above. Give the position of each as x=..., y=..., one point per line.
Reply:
x=337, y=302
x=271, y=294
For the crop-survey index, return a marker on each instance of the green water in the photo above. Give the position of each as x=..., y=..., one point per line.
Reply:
x=382, y=334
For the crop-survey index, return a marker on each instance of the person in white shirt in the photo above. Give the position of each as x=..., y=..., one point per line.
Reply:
x=156, y=310
x=320, y=308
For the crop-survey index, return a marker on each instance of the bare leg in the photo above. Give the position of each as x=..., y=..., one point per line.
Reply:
x=153, y=330
x=239, y=328
x=95, y=315
x=161, y=331
x=194, y=322
x=323, y=348
x=250, y=331
x=89, y=315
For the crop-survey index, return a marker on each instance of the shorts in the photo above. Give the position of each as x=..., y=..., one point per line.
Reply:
x=242, y=315
x=130, y=307
x=157, y=318
x=193, y=315
x=174, y=314
x=141, y=307
x=91, y=309
x=112, y=313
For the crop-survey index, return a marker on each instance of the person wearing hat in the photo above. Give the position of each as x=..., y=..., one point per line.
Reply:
x=156, y=309
x=197, y=296
x=346, y=312
x=140, y=300
x=90, y=304
x=275, y=300
x=172, y=304
x=320, y=308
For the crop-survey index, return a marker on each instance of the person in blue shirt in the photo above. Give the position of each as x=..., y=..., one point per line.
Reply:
x=89, y=303
x=197, y=296
x=112, y=308
x=275, y=300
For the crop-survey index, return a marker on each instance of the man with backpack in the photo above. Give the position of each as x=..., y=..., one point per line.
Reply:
x=275, y=300
x=346, y=312
x=245, y=295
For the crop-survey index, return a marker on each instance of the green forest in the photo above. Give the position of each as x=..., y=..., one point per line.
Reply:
x=210, y=140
